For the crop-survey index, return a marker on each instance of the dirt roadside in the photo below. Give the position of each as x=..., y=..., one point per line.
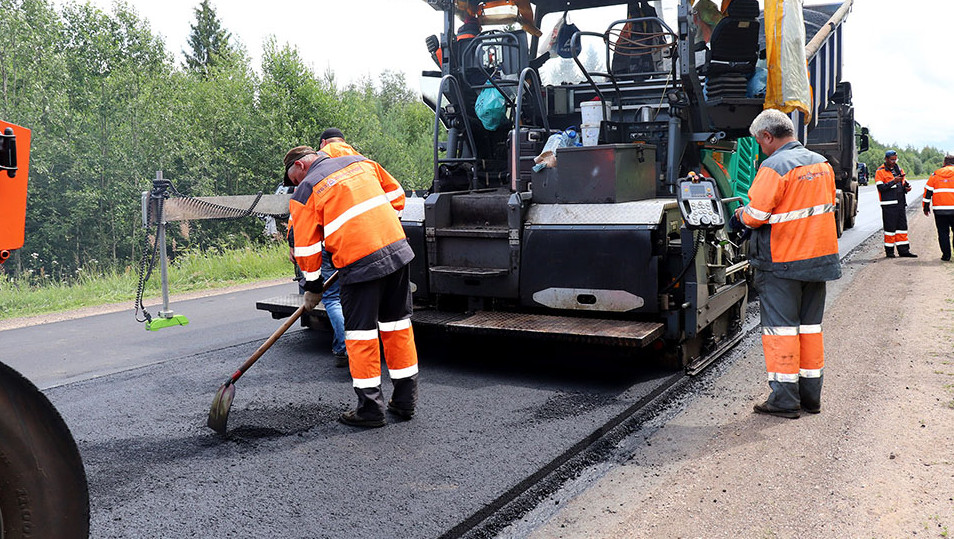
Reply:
x=877, y=462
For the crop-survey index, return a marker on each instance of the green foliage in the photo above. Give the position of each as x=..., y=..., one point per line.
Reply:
x=208, y=41
x=109, y=107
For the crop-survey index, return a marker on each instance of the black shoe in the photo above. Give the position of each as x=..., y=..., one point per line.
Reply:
x=907, y=254
x=816, y=410
x=946, y=258
x=352, y=418
x=341, y=359
x=766, y=408
x=403, y=413
x=889, y=255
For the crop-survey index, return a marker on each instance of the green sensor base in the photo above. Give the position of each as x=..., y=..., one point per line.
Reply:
x=159, y=323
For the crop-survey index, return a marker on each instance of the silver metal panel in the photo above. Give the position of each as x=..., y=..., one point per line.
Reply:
x=605, y=300
x=413, y=210
x=640, y=212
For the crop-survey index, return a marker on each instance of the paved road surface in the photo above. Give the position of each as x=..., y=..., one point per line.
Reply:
x=491, y=413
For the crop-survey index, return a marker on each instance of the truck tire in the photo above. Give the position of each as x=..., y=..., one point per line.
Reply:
x=43, y=491
x=840, y=213
x=851, y=204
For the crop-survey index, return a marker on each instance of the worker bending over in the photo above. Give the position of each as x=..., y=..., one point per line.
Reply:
x=794, y=250
x=348, y=204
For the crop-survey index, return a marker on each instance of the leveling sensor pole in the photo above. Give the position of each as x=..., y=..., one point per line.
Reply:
x=166, y=316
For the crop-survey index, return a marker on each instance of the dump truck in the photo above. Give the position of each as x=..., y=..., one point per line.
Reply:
x=623, y=240
x=43, y=490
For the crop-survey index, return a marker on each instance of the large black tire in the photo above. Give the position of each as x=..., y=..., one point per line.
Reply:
x=852, y=211
x=43, y=490
x=840, y=214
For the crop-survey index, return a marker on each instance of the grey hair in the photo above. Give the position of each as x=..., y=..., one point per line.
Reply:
x=774, y=122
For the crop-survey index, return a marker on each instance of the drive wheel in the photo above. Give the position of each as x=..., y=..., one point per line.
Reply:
x=43, y=490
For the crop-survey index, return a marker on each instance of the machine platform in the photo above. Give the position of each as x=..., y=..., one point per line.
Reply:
x=567, y=328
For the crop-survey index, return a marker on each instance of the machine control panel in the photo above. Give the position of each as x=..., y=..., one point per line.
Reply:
x=700, y=203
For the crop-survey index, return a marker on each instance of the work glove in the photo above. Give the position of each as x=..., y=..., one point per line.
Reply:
x=311, y=300
x=735, y=224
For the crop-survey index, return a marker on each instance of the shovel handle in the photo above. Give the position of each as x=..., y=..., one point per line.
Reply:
x=278, y=333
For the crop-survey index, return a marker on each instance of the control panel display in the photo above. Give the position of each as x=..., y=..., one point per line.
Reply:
x=700, y=203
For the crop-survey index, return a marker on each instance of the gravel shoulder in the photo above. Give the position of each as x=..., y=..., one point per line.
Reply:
x=877, y=462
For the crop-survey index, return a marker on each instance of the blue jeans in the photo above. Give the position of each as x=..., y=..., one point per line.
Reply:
x=332, y=302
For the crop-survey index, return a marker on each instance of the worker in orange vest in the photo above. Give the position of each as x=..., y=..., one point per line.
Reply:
x=892, y=186
x=940, y=191
x=794, y=250
x=347, y=205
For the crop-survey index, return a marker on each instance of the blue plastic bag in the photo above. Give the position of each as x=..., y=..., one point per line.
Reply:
x=491, y=108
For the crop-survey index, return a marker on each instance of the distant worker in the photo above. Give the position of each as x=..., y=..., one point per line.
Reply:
x=348, y=204
x=889, y=178
x=469, y=29
x=794, y=250
x=940, y=191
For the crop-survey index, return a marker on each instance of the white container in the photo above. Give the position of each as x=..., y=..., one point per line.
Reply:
x=594, y=112
x=591, y=134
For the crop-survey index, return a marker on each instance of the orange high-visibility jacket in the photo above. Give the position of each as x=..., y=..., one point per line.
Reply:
x=791, y=207
x=348, y=205
x=940, y=190
x=890, y=196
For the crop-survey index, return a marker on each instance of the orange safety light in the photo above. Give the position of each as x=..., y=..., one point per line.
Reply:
x=14, y=171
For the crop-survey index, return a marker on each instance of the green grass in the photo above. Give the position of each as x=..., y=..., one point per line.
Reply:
x=189, y=272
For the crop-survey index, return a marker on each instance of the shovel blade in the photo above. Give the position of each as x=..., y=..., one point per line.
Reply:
x=221, y=404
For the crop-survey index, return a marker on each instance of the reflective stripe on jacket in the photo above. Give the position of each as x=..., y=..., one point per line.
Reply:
x=889, y=195
x=349, y=205
x=791, y=208
x=940, y=190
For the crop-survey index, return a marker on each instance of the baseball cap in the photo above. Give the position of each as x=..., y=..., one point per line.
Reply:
x=293, y=155
x=331, y=132
x=890, y=153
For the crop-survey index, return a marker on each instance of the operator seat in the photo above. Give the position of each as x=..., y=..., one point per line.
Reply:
x=734, y=50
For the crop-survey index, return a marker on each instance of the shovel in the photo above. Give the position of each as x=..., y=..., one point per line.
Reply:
x=219, y=414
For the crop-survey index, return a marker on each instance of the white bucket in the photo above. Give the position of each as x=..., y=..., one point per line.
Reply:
x=591, y=134
x=593, y=113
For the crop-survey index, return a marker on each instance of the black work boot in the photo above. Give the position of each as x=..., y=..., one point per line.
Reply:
x=906, y=254
x=768, y=409
x=889, y=252
x=404, y=399
x=783, y=402
x=810, y=391
x=370, y=410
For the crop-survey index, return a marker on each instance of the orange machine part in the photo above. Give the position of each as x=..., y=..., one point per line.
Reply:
x=13, y=192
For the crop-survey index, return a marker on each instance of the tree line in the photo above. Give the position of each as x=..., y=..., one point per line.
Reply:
x=109, y=106
x=916, y=163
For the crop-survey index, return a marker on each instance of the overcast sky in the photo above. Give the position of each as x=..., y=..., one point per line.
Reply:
x=894, y=52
